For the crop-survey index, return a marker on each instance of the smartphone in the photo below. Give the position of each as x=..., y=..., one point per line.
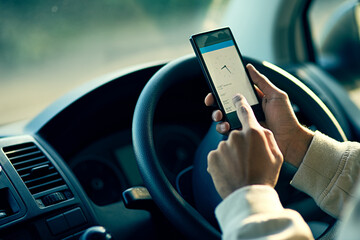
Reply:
x=224, y=69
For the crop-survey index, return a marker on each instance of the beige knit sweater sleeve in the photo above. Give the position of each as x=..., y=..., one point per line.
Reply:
x=329, y=172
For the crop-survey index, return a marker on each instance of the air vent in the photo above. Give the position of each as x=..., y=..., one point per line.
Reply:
x=36, y=171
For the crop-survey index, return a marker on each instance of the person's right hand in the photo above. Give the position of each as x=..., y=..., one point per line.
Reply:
x=292, y=138
x=249, y=156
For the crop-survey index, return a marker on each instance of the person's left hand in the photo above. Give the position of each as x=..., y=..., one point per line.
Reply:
x=250, y=156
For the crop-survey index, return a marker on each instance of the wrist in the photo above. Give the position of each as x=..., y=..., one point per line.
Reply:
x=298, y=146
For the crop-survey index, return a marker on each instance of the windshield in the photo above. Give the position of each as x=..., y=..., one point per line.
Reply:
x=49, y=47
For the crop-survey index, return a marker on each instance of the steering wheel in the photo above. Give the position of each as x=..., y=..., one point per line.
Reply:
x=181, y=214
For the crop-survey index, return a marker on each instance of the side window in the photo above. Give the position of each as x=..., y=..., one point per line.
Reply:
x=335, y=32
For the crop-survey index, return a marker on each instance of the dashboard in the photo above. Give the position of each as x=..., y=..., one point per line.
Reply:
x=82, y=146
x=109, y=165
x=34, y=185
x=67, y=169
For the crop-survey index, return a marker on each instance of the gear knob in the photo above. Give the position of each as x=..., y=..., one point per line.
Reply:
x=96, y=233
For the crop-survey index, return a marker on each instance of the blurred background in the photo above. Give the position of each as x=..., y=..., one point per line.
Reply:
x=49, y=47
x=335, y=32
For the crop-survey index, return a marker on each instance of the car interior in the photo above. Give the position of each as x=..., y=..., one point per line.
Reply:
x=123, y=155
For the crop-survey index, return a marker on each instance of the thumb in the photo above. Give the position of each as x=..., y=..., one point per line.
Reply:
x=261, y=81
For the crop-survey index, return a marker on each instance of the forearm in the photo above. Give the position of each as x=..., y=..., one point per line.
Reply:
x=255, y=212
x=328, y=172
x=298, y=146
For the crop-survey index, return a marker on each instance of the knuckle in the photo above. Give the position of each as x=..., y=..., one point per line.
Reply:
x=283, y=95
x=211, y=156
x=262, y=75
x=253, y=132
x=279, y=157
x=211, y=160
x=268, y=132
x=222, y=146
x=242, y=105
x=234, y=135
x=208, y=169
x=244, y=109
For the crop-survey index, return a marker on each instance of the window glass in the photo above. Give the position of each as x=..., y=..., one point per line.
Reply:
x=335, y=30
x=49, y=47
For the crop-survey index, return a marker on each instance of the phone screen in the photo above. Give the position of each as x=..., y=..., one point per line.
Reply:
x=228, y=75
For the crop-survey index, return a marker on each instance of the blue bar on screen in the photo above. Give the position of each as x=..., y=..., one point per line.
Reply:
x=216, y=46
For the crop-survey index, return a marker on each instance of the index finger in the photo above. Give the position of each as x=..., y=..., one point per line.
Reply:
x=244, y=112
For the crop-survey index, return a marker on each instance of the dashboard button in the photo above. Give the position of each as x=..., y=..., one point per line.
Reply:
x=57, y=224
x=75, y=217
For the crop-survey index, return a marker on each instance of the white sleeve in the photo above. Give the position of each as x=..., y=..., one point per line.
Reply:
x=329, y=172
x=255, y=212
x=349, y=229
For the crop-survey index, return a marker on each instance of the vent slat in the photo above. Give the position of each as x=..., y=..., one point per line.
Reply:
x=25, y=176
x=25, y=156
x=26, y=149
x=34, y=168
x=46, y=186
x=18, y=147
x=29, y=161
x=31, y=167
x=28, y=182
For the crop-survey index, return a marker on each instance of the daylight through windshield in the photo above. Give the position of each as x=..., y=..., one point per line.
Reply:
x=49, y=47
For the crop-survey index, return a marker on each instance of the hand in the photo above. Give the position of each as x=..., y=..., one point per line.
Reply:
x=249, y=156
x=292, y=138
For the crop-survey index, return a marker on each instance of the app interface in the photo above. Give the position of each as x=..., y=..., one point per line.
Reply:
x=227, y=72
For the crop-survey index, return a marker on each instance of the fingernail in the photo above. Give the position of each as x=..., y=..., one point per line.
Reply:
x=243, y=109
x=236, y=99
x=213, y=115
x=222, y=128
